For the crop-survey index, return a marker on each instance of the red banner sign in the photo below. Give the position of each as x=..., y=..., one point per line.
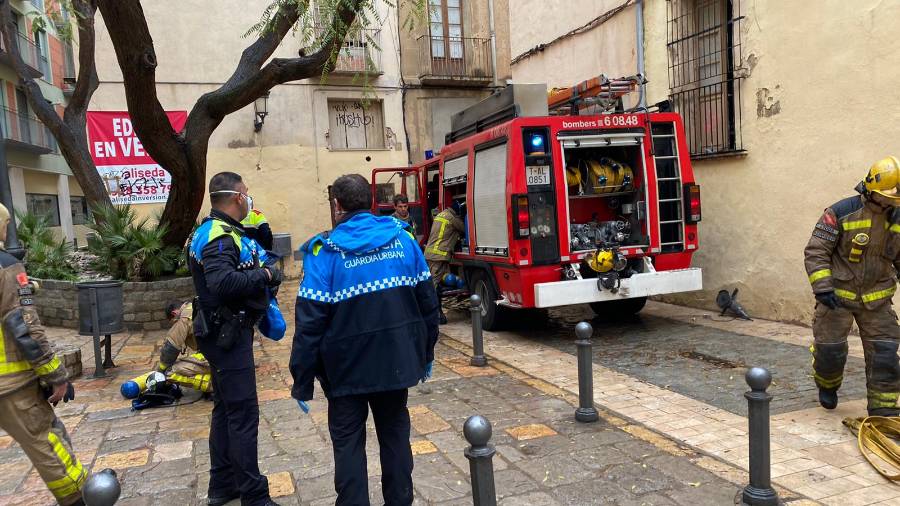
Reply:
x=130, y=175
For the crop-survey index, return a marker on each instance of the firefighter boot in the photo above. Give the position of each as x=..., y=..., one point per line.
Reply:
x=828, y=398
x=828, y=369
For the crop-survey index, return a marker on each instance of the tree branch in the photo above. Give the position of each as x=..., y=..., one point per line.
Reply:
x=249, y=82
x=88, y=81
x=131, y=39
x=72, y=142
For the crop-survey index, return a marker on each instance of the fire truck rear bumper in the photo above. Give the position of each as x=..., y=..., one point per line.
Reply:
x=580, y=291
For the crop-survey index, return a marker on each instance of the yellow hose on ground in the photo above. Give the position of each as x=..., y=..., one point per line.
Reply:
x=878, y=436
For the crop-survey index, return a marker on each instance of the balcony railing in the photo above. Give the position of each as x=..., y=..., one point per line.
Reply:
x=30, y=55
x=361, y=52
x=26, y=132
x=455, y=59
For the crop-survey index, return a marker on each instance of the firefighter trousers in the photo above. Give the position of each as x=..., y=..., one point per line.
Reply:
x=438, y=269
x=880, y=338
x=29, y=419
x=191, y=375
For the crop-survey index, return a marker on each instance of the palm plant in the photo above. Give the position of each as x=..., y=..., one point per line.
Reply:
x=128, y=248
x=46, y=256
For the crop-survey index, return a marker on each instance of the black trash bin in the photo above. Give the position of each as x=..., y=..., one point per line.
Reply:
x=100, y=312
x=281, y=246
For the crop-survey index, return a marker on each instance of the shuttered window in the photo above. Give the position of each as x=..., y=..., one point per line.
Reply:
x=353, y=124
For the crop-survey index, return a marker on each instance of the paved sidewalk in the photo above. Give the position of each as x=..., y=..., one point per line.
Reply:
x=813, y=455
x=544, y=457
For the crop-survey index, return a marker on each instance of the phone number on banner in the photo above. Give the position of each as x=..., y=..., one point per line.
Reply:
x=141, y=194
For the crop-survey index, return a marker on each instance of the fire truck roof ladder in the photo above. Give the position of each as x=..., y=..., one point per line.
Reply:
x=513, y=101
x=598, y=90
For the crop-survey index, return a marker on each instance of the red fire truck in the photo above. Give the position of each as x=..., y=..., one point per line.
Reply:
x=561, y=209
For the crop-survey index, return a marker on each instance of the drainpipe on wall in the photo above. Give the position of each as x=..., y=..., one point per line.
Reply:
x=639, y=30
x=493, y=40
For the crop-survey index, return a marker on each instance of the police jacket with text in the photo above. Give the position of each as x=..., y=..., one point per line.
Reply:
x=855, y=252
x=366, y=312
x=227, y=268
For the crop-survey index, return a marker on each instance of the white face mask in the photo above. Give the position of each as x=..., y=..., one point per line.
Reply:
x=247, y=198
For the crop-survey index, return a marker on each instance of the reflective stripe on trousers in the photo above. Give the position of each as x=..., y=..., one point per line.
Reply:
x=75, y=473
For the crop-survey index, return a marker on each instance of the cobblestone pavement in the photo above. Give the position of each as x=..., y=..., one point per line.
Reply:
x=685, y=396
x=543, y=456
x=704, y=363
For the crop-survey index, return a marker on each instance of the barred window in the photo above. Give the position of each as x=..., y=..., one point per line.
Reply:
x=704, y=47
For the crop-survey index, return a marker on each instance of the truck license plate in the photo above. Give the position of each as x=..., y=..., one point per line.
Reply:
x=538, y=175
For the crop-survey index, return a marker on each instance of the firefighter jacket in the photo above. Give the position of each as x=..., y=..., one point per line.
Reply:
x=854, y=251
x=445, y=233
x=227, y=269
x=256, y=227
x=180, y=340
x=366, y=316
x=25, y=353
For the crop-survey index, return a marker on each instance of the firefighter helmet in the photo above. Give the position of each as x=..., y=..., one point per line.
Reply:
x=883, y=180
x=601, y=260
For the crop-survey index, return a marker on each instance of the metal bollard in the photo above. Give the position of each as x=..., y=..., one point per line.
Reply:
x=99, y=371
x=759, y=491
x=586, y=411
x=102, y=489
x=477, y=430
x=478, y=358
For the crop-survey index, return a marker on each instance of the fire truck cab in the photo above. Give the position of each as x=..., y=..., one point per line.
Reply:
x=559, y=209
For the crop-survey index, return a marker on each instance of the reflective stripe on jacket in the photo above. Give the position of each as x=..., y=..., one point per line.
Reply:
x=445, y=233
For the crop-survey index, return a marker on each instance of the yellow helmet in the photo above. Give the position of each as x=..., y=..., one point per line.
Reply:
x=601, y=260
x=883, y=179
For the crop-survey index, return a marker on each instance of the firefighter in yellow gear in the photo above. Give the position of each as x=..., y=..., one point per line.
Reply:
x=179, y=359
x=852, y=262
x=256, y=227
x=446, y=230
x=28, y=366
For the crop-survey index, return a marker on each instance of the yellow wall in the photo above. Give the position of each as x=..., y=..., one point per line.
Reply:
x=827, y=67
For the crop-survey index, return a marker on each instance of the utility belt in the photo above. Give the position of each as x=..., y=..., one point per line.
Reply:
x=223, y=325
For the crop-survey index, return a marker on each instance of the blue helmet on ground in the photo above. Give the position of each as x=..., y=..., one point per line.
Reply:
x=130, y=390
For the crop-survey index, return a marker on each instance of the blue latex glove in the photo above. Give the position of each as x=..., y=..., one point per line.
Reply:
x=428, y=370
x=303, y=406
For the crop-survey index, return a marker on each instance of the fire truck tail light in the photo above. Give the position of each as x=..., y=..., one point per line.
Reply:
x=692, y=203
x=522, y=224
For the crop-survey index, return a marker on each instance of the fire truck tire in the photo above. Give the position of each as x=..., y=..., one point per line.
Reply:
x=492, y=315
x=618, y=309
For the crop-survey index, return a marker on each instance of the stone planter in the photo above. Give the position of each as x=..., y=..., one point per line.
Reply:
x=144, y=304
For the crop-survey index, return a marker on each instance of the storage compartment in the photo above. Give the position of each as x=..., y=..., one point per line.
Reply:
x=605, y=191
x=455, y=184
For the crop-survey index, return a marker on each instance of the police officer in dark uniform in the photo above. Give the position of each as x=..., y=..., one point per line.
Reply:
x=232, y=285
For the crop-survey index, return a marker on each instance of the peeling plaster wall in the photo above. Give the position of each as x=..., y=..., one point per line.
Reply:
x=819, y=106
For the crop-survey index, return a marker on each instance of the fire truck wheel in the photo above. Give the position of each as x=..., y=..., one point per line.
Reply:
x=491, y=314
x=618, y=309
